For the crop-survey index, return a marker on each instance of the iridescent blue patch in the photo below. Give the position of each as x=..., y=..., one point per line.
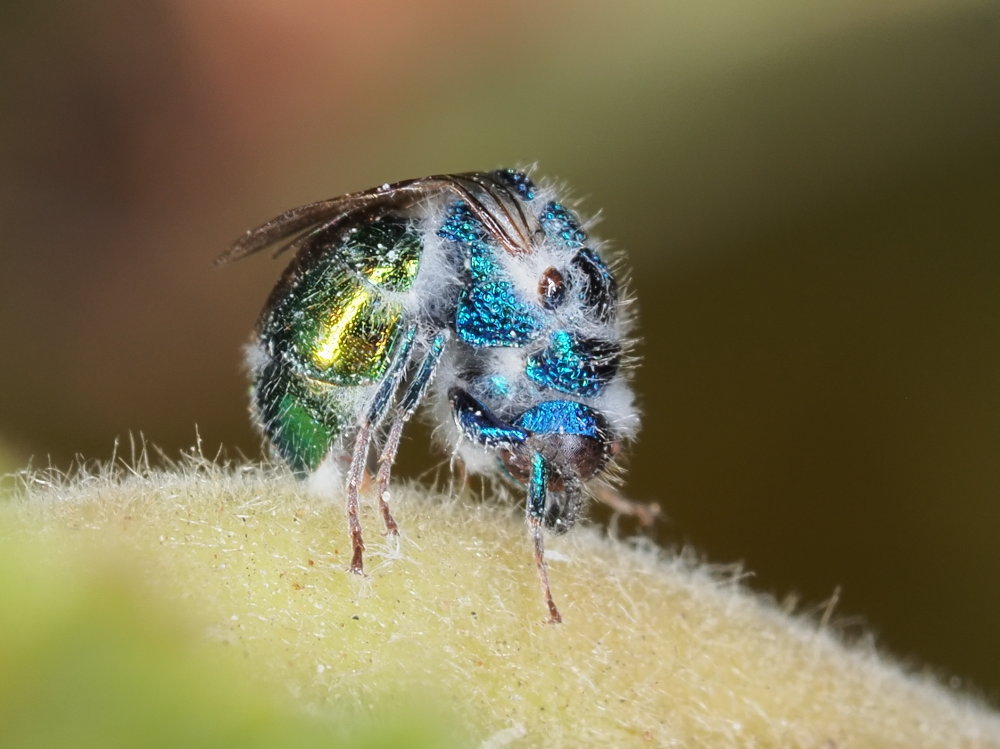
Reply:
x=490, y=314
x=491, y=388
x=538, y=486
x=558, y=222
x=463, y=227
x=519, y=181
x=561, y=417
x=498, y=386
x=574, y=365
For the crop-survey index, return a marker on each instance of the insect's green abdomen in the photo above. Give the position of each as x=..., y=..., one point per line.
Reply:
x=333, y=329
x=345, y=331
x=299, y=421
x=341, y=326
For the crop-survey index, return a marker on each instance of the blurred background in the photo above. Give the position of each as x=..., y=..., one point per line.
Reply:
x=808, y=194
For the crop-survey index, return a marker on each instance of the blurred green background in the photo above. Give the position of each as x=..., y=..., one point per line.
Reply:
x=808, y=194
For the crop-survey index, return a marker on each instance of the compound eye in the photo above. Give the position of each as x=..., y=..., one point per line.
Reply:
x=599, y=292
x=551, y=288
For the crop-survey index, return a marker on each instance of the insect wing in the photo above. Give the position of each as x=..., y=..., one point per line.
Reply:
x=283, y=231
x=490, y=199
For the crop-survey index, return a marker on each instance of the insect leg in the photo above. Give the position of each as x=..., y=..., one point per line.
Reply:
x=645, y=512
x=480, y=424
x=377, y=407
x=411, y=399
x=537, y=495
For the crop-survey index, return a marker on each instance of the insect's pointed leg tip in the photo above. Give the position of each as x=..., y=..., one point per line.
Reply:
x=357, y=564
x=650, y=513
x=391, y=527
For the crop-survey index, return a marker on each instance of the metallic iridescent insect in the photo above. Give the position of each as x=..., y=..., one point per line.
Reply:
x=478, y=294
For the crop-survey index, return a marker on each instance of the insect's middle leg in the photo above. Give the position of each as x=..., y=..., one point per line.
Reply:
x=407, y=405
x=377, y=408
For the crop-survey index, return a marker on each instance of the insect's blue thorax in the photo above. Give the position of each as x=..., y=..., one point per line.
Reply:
x=490, y=314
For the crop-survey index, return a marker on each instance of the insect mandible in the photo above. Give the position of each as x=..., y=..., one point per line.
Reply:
x=477, y=295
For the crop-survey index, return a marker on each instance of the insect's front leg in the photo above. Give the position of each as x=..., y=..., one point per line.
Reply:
x=481, y=425
x=538, y=487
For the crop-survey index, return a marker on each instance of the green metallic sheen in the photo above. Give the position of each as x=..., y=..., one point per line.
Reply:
x=344, y=332
x=386, y=252
x=341, y=327
x=303, y=416
x=302, y=434
x=332, y=327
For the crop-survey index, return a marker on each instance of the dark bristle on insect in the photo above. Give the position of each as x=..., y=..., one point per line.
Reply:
x=477, y=298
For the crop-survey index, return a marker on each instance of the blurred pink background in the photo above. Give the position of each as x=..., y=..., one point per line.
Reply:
x=808, y=197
